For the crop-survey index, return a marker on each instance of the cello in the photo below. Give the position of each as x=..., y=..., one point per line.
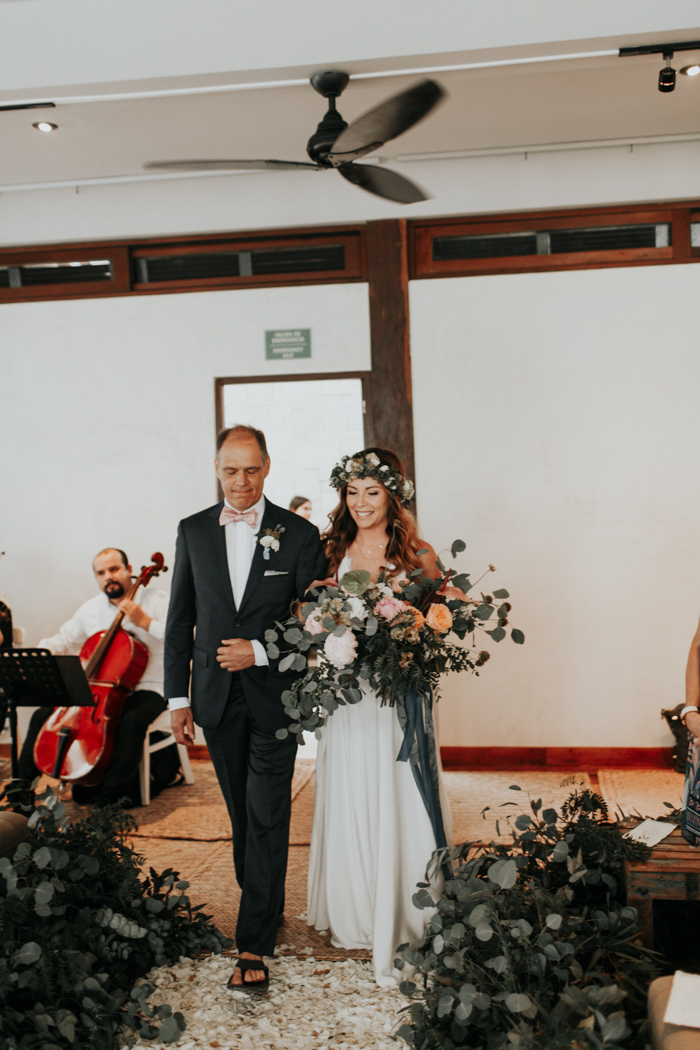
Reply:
x=76, y=743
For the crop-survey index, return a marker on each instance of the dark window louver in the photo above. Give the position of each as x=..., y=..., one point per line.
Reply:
x=260, y=262
x=35, y=274
x=491, y=247
x=552, y=242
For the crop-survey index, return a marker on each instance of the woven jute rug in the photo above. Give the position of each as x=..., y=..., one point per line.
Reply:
x=471, y=793
x=197, y=811
x=208, y=867
x=640, y=792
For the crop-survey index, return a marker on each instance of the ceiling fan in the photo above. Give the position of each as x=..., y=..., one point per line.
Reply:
x=338, y=145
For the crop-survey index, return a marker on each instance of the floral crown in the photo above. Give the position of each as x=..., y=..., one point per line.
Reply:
x=370, y=466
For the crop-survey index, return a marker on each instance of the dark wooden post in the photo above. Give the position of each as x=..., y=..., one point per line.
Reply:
x=389, y=409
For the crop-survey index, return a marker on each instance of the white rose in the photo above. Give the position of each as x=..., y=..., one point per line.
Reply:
x=357, y=608
x=269, y=541
x=275, y=545
x=373, y=458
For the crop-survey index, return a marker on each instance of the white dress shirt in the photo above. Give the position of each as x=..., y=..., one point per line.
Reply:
x=97, y=614
x=240, y=548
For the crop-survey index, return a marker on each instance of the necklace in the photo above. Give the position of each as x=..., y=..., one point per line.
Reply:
x=370, y=550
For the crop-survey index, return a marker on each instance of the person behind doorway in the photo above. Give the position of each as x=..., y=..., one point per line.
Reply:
x=144, y=619
x=301, y=505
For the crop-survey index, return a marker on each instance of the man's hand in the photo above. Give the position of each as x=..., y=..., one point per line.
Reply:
x=235, y=654
x=692, y=722
x=135, y=613
x=182, y=725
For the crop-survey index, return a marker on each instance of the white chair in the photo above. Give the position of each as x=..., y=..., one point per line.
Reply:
x=162, y=723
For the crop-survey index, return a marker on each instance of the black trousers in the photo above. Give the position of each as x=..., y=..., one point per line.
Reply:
x=255, y=772
x=140, y=709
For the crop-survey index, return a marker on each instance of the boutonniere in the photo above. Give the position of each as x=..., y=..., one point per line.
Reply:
x=270, y=540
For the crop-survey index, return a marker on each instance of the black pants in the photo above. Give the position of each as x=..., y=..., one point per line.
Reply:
x=140, y=709
x=255, y=772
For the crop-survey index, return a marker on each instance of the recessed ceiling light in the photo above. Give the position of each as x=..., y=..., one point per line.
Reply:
x=690, y=71
x=43, y=125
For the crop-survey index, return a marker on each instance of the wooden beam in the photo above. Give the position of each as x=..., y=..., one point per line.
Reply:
x=389, y=409
x=583, y=758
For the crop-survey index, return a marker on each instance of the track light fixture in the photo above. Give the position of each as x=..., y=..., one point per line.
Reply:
x=667, y=76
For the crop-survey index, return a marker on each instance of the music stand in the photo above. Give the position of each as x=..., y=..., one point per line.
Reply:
x=36, y=678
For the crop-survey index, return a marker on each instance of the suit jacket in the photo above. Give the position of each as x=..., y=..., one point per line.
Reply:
x=201, y=601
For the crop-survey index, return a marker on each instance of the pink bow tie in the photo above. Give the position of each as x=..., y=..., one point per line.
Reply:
x=228, y=514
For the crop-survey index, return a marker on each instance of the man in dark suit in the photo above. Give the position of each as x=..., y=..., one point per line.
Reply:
x=239, y=567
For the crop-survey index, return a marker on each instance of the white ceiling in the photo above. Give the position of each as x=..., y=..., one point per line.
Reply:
x=609, y=98
x=131, y=46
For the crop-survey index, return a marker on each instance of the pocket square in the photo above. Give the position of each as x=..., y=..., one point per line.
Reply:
x=271, y=572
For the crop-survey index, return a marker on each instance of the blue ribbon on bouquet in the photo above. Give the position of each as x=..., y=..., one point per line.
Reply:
x=690, y=823
x=420, y=748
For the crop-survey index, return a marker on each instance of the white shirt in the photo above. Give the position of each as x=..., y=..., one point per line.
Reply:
x=240, y=548
x=97, y=614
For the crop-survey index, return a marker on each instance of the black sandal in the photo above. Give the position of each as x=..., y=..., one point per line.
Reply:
x=250, y=987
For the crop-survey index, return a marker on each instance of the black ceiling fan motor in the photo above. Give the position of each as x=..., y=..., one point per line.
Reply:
x=330, y=84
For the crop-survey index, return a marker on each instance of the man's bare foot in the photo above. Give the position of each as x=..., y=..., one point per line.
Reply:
x=250, y=975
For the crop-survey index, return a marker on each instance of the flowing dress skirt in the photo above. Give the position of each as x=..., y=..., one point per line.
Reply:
x=371, y=839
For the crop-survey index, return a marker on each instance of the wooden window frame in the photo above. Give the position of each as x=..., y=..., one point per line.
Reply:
x=423, y=231
x=119, y=283
x=354, y=269
x=123, y=254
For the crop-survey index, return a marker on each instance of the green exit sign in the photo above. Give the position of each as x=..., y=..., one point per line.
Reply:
x=285, y=343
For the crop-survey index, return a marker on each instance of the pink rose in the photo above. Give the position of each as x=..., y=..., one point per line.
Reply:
x=389, y=608
x=340, y=650
x=313, y=625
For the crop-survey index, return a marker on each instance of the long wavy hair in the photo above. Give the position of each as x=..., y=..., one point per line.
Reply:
x=401, y=526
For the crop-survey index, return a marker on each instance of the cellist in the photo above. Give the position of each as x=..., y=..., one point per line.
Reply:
x=145, y=619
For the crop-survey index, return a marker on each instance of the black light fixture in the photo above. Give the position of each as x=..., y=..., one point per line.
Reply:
x=667, y=76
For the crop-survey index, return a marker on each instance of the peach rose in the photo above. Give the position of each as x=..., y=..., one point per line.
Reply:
x=417, y=616
x=439, y=618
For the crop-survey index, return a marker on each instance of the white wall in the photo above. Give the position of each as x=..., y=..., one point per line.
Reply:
x=558, y=433
x=107, y=411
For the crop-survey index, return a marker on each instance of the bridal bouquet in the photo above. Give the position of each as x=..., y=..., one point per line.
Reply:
x=392, y=636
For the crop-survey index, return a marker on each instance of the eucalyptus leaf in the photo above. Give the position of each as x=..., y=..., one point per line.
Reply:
x=371, y=625
x=287, y=661
x=42, y=857
x=501, y=594
x=26, y=955
x=517, y=636
x=457, y=547
x=498, y=634
x=483, y=611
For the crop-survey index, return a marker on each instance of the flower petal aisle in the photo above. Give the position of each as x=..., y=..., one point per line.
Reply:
x=310, y=1005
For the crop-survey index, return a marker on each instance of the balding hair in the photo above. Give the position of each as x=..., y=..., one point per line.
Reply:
x=239, y=428
x=116, y=550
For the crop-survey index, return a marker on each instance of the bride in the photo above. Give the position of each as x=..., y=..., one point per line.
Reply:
x=372, y=837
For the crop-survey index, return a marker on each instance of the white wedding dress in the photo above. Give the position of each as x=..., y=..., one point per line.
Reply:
x=372, y=837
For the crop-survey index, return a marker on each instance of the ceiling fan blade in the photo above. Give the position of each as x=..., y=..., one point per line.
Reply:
x=383, y=183
x=227, y=165
x=387, y=120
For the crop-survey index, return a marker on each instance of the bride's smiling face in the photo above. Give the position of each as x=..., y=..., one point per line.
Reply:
x=368, y=502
